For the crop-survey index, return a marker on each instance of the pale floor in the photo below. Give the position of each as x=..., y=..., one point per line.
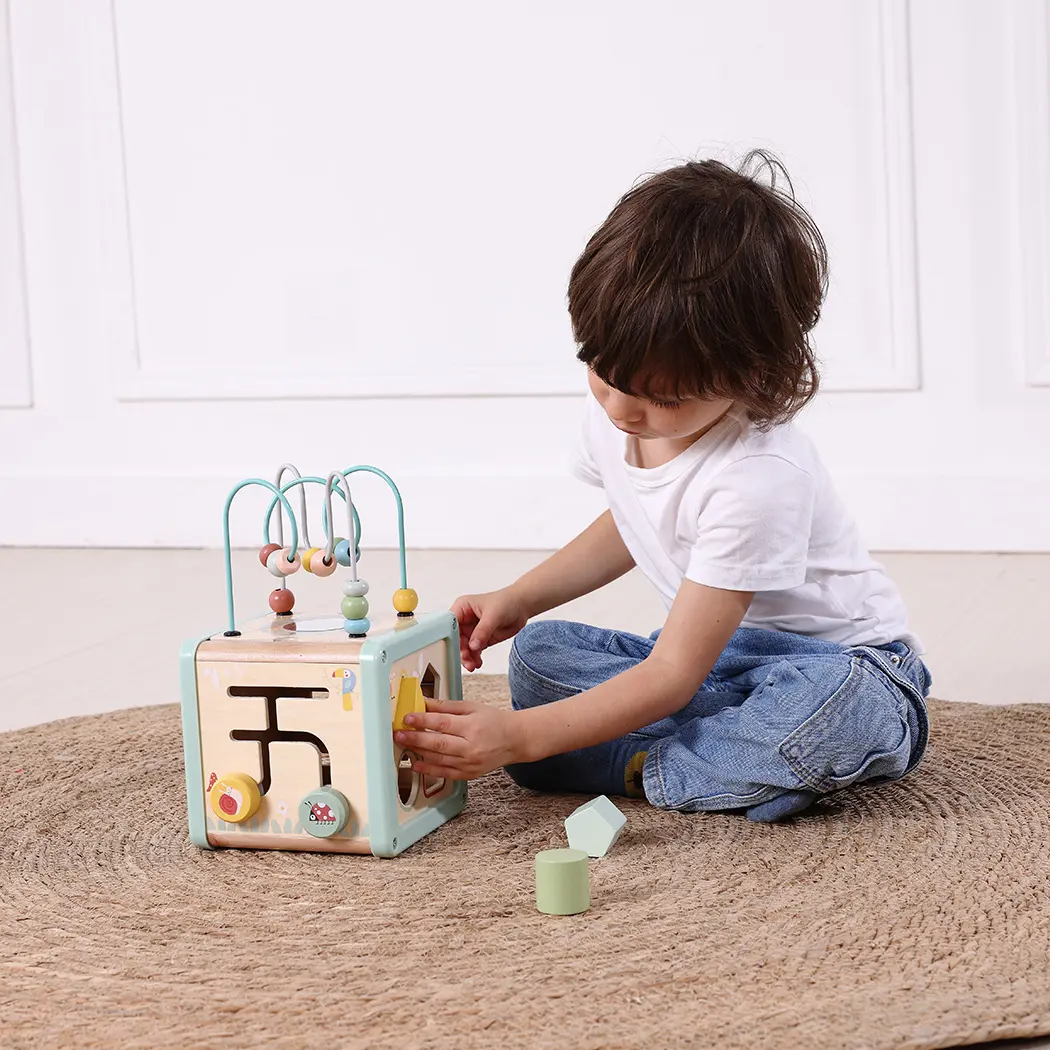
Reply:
x=94, y=631
x=98, y=630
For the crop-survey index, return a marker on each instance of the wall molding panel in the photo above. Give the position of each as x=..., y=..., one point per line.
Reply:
x=890, y=362
x=133, y=380
x=16, y=379
x=1031, y=54
x=903, y=370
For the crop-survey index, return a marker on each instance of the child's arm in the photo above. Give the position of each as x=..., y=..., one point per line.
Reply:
x=699, y=625
x=596, y=557
x=460, y=739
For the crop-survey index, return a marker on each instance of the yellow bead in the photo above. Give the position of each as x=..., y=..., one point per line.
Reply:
x=406, y=600
x=307, y=555
x=235, y=797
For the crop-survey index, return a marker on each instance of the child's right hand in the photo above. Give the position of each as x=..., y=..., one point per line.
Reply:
x=484, y=620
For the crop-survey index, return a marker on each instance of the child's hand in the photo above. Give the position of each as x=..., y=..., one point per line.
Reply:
x=484, y=620
x=461, y=739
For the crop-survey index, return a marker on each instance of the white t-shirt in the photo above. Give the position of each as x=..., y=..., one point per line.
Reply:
x=747, y=510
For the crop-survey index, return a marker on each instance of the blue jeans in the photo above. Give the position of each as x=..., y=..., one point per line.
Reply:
x=780, y=714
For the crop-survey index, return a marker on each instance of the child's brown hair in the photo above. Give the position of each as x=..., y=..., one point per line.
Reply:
x=704, y=282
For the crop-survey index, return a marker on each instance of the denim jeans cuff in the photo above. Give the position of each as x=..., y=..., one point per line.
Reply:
x=652, y=782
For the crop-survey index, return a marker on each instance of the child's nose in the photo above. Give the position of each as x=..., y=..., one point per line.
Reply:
x=621, y=408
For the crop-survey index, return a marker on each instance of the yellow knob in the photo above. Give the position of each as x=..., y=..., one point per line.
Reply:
x=235, y=797
x=307, y=555
x=406, y=600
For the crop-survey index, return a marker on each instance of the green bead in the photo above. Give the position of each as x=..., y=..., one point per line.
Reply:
x=355, y=608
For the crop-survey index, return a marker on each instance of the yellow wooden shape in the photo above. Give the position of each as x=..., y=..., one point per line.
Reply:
x=410, y=700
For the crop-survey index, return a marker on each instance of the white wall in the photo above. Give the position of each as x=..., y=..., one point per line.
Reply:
x=236, y=234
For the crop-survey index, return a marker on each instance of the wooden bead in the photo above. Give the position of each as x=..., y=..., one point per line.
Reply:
x=307, y=555
x=354, y=608
x=282, y=600
x=355, y=588
x=320, y=567
x=342, y=552
x=279, y=564
x=405, y=600
x=357, y=627
x=267, y=551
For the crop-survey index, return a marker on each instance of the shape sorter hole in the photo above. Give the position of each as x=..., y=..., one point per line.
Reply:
x=430, y=683
x=430, y=686
x=273, y=733
x=407, y=780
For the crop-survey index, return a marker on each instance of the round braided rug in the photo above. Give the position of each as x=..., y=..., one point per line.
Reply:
x=910, y=915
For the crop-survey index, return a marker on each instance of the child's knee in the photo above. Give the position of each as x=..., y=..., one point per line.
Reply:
x=541, y=646
x=534, y=635
x=536, y=665
x=859, y=733
x=552, y=659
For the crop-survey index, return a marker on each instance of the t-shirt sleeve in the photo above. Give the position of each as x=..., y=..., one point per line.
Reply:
x=582, y=464
x=754, y=526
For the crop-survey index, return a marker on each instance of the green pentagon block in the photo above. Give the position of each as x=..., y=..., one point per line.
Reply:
x=563, y=882
x=595, y=826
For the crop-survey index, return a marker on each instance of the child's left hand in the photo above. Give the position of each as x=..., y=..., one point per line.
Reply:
x=461, y=739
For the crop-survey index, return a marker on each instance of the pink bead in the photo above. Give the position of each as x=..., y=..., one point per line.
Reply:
x=322, y=568
x=289, y=565
x=279, y=564
x=267, y=551
x=282, y=600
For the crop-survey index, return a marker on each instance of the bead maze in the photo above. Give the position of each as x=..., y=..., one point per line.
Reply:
x=288, y=720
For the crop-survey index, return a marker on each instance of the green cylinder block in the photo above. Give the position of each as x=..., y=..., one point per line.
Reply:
x=563, y=882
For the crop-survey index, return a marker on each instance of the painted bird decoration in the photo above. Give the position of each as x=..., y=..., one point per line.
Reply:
x=349, y=681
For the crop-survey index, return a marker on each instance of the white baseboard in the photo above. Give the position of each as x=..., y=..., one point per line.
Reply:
x=916, y=512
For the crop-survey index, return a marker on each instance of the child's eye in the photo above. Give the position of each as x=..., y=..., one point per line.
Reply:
x=664, y=404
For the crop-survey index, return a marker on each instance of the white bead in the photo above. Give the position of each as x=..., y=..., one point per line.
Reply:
x=272, y=564
x=355, y=588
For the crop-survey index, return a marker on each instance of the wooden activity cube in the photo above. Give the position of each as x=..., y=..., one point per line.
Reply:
x=288, y=734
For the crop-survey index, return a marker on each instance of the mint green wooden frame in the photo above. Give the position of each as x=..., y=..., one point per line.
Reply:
x=387, y=835
x=191, y=743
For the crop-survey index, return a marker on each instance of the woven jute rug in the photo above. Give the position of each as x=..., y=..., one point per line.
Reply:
x=911, y=915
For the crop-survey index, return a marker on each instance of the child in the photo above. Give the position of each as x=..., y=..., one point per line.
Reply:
x=785, y=668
